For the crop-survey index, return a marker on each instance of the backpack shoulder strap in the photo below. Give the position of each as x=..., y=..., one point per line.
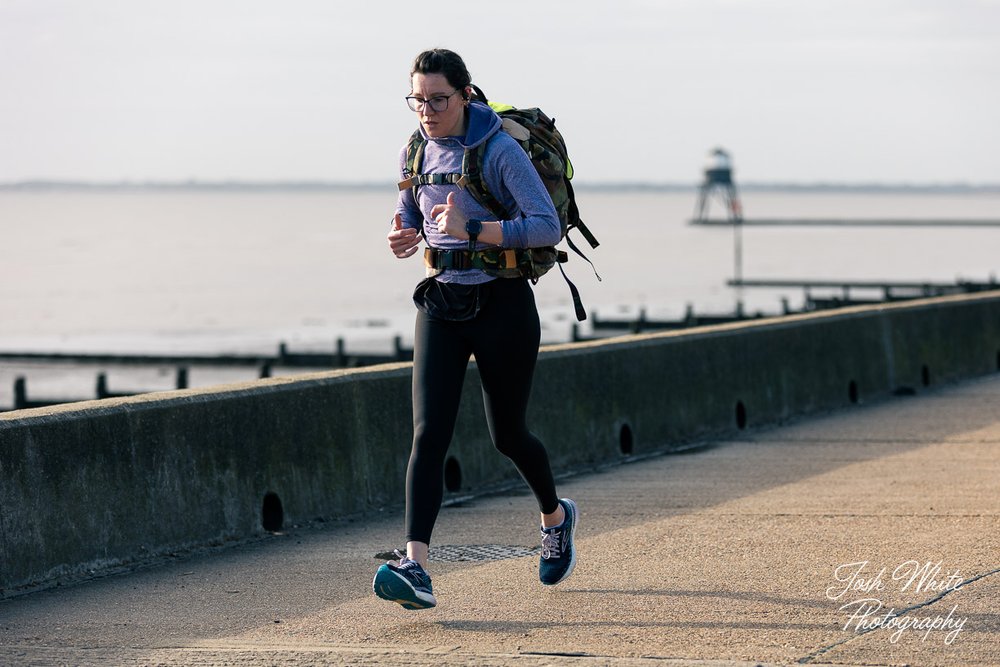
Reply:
x=472, y=167
x=414, y=155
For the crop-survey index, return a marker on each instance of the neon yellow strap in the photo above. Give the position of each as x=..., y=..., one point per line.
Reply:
x=500, y=108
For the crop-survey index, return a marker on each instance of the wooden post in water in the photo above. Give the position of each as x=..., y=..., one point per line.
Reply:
x=102, y=385
x=341, y=356
x=20, y=393
x=738, y=256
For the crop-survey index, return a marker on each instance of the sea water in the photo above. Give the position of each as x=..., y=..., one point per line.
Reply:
x=238, y=271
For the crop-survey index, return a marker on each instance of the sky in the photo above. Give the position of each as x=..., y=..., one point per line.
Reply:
x=800, y=91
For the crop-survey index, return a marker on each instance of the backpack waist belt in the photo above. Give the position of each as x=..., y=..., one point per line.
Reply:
x=491, y=259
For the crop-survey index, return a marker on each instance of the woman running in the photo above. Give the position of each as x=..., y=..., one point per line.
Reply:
x=463, y=309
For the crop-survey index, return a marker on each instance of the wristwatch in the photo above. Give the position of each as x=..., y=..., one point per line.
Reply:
x=473, y=229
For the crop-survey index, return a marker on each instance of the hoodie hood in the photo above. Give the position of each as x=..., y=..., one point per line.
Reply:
x=483, y=124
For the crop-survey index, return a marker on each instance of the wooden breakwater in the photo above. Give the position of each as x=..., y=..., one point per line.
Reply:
x=848, y=222
x=843, y=293
x=265, y=366
x=835, y=294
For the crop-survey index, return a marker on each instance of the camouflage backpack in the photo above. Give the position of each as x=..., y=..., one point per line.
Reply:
x=538, y=136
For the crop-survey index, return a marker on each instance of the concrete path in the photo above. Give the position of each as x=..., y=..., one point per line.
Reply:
x=760, y=550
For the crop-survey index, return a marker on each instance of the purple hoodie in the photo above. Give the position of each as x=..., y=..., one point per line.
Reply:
x=509, y=176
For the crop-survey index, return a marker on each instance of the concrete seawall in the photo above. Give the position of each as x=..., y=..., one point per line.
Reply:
x=90, y=486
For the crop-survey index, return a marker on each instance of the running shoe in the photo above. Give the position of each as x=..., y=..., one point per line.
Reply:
x=558, y=554
x=406, y=583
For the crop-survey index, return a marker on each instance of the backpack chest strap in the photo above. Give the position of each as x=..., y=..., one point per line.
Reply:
x=433, y=179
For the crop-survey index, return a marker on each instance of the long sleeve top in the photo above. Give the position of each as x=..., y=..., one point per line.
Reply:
x=532, y=221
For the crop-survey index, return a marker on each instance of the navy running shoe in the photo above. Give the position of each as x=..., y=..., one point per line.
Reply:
x=558, y=554
x=406, y=583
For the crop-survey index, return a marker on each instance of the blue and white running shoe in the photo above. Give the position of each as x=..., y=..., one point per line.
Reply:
x=406, y=583
x=558, y=554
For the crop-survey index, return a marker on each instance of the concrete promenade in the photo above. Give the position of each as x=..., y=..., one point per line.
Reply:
x=748, y=551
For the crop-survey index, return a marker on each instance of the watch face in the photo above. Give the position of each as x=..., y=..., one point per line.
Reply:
x=473, y=227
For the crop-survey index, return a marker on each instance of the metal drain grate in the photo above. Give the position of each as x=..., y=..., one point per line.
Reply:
x=479, y=552
x=458, y=553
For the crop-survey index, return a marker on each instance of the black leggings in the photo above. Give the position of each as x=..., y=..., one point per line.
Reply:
x=504, y=338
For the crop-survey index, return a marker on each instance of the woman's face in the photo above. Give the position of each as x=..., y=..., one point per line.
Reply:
x=447, y=123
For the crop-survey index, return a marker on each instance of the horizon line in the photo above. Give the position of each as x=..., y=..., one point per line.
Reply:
x=320, y=184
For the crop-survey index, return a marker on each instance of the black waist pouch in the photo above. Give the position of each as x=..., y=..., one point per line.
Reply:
x=449, y=301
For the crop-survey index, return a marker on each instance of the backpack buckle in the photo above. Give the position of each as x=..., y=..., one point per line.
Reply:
x=448, y=259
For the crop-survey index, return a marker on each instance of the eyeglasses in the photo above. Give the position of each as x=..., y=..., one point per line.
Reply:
x=438, y=103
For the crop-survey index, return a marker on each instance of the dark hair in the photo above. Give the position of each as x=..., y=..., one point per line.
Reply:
x=446, y=63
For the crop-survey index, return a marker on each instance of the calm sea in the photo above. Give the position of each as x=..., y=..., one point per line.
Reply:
x=239, y=271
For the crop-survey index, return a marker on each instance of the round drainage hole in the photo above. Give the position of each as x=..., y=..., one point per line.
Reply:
x=625, y=442
x=741, y=415
x=452, y=475
x=272, y=517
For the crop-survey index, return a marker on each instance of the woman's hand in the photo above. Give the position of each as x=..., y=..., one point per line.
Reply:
x=450, y=219
x=402, y=241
